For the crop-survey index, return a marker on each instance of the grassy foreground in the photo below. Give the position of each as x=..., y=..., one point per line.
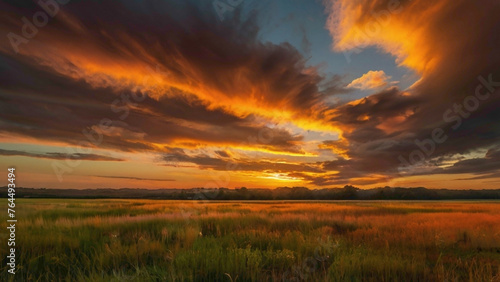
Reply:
x=156, y=240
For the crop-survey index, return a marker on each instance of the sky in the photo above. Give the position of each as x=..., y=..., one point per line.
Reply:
x=247, y=93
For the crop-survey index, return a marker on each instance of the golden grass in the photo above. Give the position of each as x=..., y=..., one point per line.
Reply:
x=140, y=240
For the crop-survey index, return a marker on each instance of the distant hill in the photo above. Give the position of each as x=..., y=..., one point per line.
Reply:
x=282, y=193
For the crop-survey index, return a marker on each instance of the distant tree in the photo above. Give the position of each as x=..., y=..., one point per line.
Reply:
x=350, y=192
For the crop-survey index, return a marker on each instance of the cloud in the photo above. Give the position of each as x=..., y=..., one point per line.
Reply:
x=370, y=80
x=59, y=156
x=44, y=105
x=432, y=39
x=207, y=82
x=224, y=162
x=134, y=178
x=211, y=83
x=220, y=63
x=485, y=167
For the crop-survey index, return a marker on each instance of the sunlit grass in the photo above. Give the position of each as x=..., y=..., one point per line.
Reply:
x=141, y=240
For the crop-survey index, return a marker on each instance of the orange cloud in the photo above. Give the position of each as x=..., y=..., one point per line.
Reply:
x=404, y=29
x=215, y=84
x=450, y=44
x=240, y=75
x=370, y=80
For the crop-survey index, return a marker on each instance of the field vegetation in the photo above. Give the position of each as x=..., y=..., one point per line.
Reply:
x=163, y=240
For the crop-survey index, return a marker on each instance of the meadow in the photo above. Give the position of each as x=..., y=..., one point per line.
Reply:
x=161, y=240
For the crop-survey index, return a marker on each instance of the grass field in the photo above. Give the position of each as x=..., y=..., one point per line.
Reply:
x=150, y=240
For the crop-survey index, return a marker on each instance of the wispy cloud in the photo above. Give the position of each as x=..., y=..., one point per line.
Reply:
x=59, y=156
x=134, y=178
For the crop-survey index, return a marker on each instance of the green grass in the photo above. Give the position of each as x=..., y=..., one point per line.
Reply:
x=147, y=240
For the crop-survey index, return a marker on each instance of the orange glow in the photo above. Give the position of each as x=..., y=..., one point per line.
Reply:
x=398, y=28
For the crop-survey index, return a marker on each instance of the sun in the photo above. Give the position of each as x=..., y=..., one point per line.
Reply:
x=281, y=177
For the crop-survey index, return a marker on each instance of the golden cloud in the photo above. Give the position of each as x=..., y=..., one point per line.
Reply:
x=370, y=80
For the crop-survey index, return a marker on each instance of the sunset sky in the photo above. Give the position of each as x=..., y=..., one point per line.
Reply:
x=231, y=93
